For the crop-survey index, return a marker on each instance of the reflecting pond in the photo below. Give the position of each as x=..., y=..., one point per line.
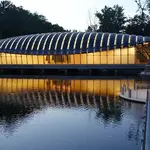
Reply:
x=43, y=114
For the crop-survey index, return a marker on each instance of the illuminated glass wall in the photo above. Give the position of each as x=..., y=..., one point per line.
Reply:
x=74, y=48
x=117, y=56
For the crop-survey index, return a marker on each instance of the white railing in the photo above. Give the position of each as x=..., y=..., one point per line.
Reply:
x=138, y=93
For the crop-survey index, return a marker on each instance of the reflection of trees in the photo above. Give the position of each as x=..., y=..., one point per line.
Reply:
x=18, y=106
x=110, y=110
x=11, y=114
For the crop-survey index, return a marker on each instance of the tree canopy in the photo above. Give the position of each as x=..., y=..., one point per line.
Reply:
x=139, y=24
x=148, y=5
x=15, y=21
x=111, y=19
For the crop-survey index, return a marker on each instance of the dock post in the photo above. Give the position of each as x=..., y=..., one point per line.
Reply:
x=122, y=90
x=125, y=88
x=136, y=91
x=130, y=93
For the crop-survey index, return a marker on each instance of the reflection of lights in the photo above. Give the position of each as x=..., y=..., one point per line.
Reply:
x=23, y=97
x=23, y=103
x=61, y=99
x=95, y=87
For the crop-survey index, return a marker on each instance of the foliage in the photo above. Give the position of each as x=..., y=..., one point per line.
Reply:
x=148, y=5
x=16, y=21
x=140, y=23
x=111, y=19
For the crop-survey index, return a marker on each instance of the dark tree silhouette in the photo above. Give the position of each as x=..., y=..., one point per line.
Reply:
x=16, y=21
x=139, y=26
x=148, y=5
x=140, y=23
x=111, y=19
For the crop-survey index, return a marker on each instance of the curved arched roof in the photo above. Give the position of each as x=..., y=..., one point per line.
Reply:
x=68, y=43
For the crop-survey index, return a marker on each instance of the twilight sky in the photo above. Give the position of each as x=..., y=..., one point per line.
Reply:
x=73, y=14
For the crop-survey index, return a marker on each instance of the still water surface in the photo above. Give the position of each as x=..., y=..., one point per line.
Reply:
x=44, y=114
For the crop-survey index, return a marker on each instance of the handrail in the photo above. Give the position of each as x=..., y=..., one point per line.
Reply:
x=145, y=140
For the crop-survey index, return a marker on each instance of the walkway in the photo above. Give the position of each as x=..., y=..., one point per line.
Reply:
x=138, y=95
x=147, y=132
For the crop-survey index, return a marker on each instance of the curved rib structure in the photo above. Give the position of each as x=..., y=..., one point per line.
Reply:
x=69, y=43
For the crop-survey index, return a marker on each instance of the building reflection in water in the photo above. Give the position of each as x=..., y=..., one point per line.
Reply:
x=23, y=97
x=96, y=87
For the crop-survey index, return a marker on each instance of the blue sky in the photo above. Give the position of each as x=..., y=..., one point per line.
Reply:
x=73, y=14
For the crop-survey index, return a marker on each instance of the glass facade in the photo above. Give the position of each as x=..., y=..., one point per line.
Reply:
x=117, y=56
x=75, y=48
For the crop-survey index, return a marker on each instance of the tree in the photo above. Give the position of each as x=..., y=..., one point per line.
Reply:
x=142, y=7
x=136, y=26
x=148, y=5
x=92, y=23
x=140, y=22
x=15, y=21
x=111, y=19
